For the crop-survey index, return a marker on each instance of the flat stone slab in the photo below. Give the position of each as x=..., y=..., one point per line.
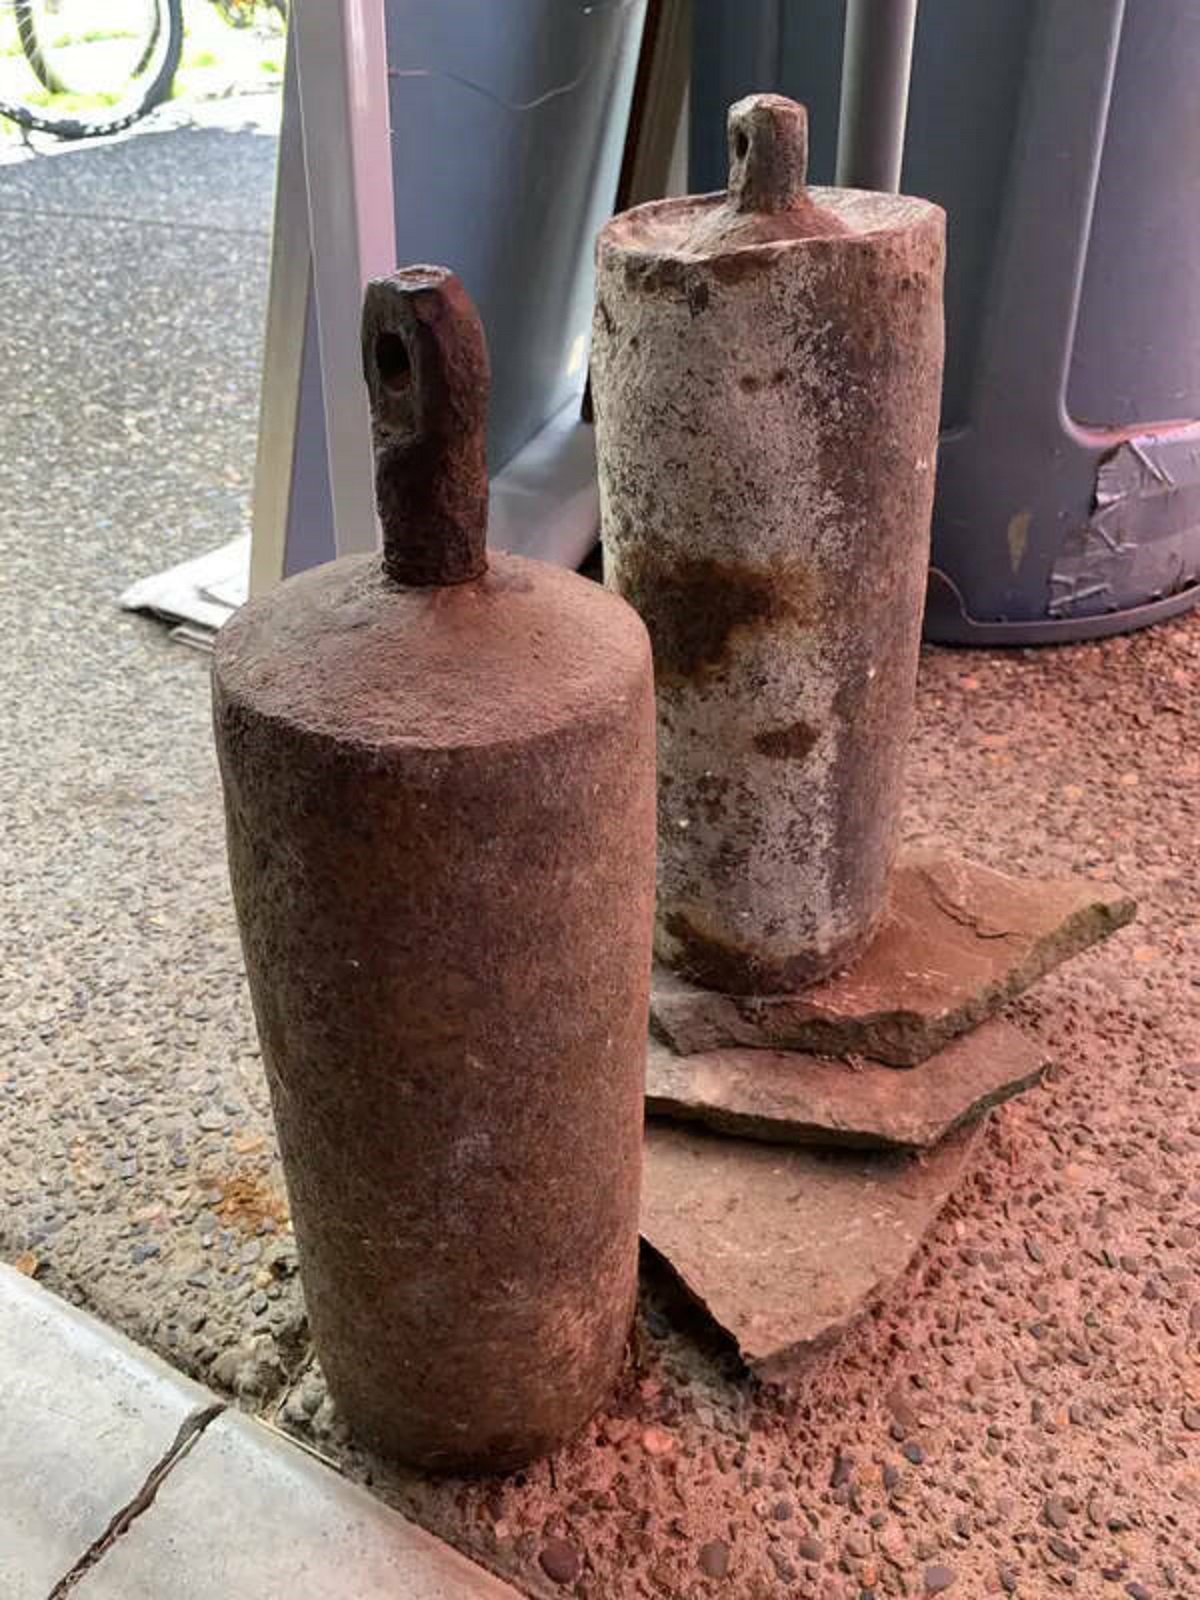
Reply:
x=783, y=1246
x=957, y=942
x=85, y=1416
x=787, y=1097
x=247, y=1516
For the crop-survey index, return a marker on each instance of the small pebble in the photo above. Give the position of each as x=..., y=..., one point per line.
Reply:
x=1055, y=1512
x=938, y=1579
x=713, y=1558
x=559, y=1561
x=1063, y=1550
x=782, y=1565
x=657, y=1442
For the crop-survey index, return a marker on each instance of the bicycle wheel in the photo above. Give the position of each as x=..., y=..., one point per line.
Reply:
x=124, y=67
x=32, y=20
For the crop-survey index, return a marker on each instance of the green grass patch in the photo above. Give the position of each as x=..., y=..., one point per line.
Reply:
x=64, y=104
x=64, y=41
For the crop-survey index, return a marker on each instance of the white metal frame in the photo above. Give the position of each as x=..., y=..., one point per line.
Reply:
x=334, y=229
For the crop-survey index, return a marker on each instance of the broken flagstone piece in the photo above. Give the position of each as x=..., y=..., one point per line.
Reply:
x=957, y=942
x=783, y=1246
x=786, y=1097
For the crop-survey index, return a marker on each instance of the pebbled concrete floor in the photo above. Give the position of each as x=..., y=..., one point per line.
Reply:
x=133, y=277
x=1020, y=1417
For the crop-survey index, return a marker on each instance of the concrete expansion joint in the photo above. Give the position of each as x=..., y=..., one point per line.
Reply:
x=184, y=1441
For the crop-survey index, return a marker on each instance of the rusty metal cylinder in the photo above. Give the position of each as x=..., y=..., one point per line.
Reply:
x=766, y=371
x=438, y=767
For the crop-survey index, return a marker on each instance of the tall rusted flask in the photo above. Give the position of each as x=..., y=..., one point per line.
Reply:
x=439, y=786
x=766, y=369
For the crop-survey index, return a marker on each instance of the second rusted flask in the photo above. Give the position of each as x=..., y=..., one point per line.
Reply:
x=766, y=369
x=439, y=785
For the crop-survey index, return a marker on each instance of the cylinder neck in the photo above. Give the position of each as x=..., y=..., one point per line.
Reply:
x=426, y=368
x=767, y=200
x=768, y=154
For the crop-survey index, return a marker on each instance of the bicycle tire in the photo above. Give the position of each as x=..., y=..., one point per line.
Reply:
x=153, y=94
x=31, y=48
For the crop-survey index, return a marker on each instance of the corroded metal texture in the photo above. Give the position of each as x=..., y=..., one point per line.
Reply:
x=440, y=808
x=766, y=371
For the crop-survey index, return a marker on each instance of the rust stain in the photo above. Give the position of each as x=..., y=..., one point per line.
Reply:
x=716, y=964
x=712, y=794
x=676, y=276
x=1018, y=538
x=751, y=382
x=789, y=743
x=697, y=296
x=740, y=264
x=710, y=961
x=693, y=609
x=668, y=276
x=247, y=1200
x=653, y=275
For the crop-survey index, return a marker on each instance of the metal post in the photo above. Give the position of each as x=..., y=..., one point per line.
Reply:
x=341, y=57
x=283, y=347
x=876, y=64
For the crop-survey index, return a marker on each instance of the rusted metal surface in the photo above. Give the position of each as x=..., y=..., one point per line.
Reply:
x=440, y=805
x=766, y=371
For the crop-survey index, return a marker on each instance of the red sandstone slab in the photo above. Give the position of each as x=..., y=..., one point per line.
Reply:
x=957, y=942
x=785, y=1246
x=786, y=1097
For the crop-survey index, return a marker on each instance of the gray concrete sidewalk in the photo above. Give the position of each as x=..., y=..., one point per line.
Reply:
x=122, y=1480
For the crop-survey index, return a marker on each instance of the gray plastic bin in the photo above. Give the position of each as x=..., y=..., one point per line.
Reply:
x=1061, y=137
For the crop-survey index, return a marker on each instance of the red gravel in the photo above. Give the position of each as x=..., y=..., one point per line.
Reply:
x=1017, y=1418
